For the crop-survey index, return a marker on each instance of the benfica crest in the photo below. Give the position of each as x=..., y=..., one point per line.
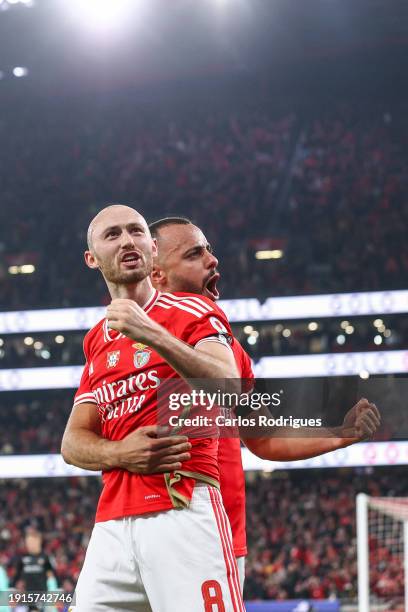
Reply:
x=112, y=359
x=141, y=356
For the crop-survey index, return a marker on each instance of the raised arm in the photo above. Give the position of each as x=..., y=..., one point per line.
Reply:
x=210, y=360
x=360, y=423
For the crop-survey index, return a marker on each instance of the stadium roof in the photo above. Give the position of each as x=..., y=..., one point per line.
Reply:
x=61, y=43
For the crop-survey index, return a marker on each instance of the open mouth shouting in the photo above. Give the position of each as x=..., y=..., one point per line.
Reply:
x=130, y=259
x=210, y=286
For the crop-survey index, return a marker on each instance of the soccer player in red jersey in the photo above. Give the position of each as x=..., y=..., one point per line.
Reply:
x=160, y=540
x=185, y=262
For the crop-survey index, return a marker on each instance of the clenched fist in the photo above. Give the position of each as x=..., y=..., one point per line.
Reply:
x=361, y=421
x=127, y=317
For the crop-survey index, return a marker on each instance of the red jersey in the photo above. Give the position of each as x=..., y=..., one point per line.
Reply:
x=232, y=479
x=122, y=376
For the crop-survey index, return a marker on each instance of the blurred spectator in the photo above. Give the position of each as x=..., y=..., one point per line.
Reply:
x=62, y=509
x=33, y=571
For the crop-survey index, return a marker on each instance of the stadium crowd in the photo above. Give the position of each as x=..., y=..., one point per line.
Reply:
x=302, y=535
x=222, y=169
x=347, y=207
x=300, y=525
x=33, y=423
x=327, y=188
x=64, y=515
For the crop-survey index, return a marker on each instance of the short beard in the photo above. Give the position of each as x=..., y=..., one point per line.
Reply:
x=130, y=277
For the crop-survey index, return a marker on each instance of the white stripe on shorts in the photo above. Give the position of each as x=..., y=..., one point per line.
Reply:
x=230, y=561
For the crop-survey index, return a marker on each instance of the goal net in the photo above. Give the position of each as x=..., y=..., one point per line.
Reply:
x=382, y=551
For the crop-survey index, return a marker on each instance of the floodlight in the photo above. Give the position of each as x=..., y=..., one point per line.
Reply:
x=20, y=71
x=102, y=15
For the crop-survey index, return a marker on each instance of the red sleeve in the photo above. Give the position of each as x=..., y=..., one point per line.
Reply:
x=84, y=393
x=204, y=321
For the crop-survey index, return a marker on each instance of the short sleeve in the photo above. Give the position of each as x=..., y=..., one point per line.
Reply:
x=84, y=393
x=210, y=326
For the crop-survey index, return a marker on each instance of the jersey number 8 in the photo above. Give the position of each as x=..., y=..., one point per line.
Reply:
x=212, y=596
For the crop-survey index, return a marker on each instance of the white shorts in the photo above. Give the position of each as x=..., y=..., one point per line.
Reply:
x=241, y=572
x=172, y=560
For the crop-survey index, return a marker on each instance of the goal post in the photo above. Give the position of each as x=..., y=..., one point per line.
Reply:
x=382, y=553
x=362, y=553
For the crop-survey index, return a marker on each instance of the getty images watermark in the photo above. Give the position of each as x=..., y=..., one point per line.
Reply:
x=222, y=408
